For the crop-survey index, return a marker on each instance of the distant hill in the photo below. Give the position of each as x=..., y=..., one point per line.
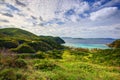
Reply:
x=115, y=44
x=16, y=33
x=22, y=41
x=89, y=38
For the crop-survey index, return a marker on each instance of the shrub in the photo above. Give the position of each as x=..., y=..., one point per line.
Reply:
x=39, y=45
x=20, y=76
x=20, y=63
x=115, y=44
x=8, y=43
x=7, y=74
x=59, y=40
x=24, y=55
x=55, y=54
x=21, y=41
x=23, y=48
x=7, y=61
x=46, y=66
x=40, y=55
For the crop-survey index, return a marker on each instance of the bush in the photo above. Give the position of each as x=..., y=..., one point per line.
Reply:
x=55, y=54
x=107, y=57
x=115, y=44
x=24, y=55
x=46, y=66
x=10, y=74
x=21, y=76
x=40, y=55
x=39, y=45
x=8, y=44
x=20, y=63
x=23, y=48
x=7, y=74
x=7, y=61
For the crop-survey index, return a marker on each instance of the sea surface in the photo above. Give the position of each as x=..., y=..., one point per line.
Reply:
x=89, y=43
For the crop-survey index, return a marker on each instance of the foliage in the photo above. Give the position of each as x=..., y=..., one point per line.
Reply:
x=58, y=40
x=15, y=33
x=46, y=65
x=7, y=74
x=39, y=45
x=8, y=43
x=107, y=56
x=115, y=44
x=74, y=64
x=10, y=74
x=7, y=60
x=23, y=48
x=17, y=40
x=20, y=63
x=55, y=54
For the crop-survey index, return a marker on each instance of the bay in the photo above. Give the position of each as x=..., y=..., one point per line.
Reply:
x=89, y=43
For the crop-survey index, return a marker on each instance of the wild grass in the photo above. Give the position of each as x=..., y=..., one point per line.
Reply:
x=73, y=64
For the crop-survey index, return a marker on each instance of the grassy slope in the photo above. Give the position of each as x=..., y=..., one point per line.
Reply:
x=115, y=44
x=68, y=64
x=16, y=33
x=18, y=40
x=76, y=64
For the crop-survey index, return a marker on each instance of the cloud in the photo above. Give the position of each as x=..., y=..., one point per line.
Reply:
x=20, y=3
x=103, y=13
x=73, y=11
x=7, y=14
x=71, y=18
x=3, y=20
x=83, y=6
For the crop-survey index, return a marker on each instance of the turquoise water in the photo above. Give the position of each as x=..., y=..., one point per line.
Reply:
x=88, y=42
x=90, y=46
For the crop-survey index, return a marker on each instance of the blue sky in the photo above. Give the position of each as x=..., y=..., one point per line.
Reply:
x=65, y=18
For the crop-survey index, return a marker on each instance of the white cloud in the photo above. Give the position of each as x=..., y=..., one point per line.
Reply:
x=97, y=4
x=103, y=13
x=83, y=6
x=44, y=11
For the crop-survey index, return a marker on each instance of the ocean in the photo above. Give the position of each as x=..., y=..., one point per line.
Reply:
x=89, y=43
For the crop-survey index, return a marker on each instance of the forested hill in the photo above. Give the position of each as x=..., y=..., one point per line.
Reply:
x=16, y=33
x=22, y=41
x=115, y=44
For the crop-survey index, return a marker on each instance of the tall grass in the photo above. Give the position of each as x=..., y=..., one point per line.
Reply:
x=71, y=64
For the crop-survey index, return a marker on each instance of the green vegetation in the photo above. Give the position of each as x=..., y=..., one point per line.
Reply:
x=115, y=44
x=25, y=56
x=22, y=41
x=67, y=64
x=15, y=33
x=23, y=48
x=7, y=74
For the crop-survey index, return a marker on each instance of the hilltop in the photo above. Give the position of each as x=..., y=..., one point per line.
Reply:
x=15, y=33
x=22, y=41
x=115, y=44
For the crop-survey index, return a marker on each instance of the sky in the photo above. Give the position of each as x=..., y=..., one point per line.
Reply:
x=64, y=18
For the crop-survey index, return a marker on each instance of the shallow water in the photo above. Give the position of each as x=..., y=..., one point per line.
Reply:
x=90, y=46
x=88, y=43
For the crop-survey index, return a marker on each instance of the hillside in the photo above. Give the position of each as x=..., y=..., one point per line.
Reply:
x=115, y=44
x=67, y=64
x=16, y=33
x=22, y=41
x=52, y=61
